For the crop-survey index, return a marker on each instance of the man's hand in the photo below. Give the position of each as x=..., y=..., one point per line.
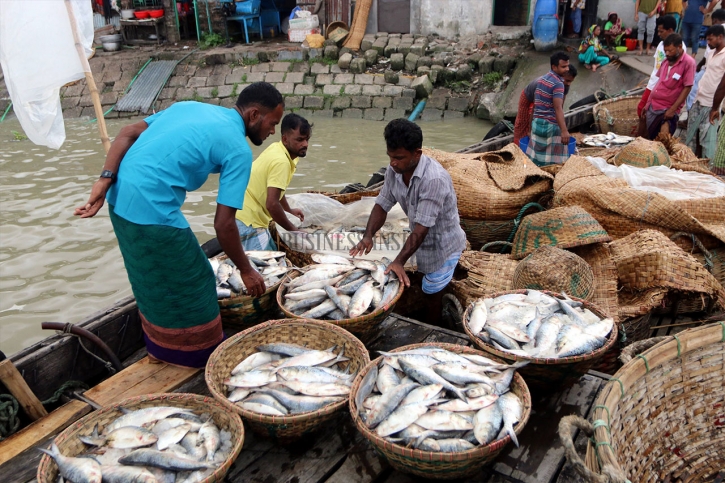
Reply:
x=96, y=200
x=669, y=114
x=714, y=115
x=298, y=213
x=397, y=268
x=652, y=13
x=254, y=282
x=565, y=137
x=363, y=247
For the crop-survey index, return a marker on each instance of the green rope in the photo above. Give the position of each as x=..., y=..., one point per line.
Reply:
x=6, y=112
x=621, y=386
x=520, y=216
x=679, y=347
x=609, y=418
x=646, y=364
x=62, y=389
x=723, y=330
x=9, y=422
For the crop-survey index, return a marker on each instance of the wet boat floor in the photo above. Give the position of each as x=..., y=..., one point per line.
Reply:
x=337, y=452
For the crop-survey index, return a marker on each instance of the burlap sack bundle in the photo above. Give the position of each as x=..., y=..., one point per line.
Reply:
x=556, y=270
x=650, y=266
x=494, y=185
x=681, y=156
x=643, y=153
x=622, y=210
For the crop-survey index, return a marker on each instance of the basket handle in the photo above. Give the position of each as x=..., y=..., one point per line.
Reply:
x=508, y=245
x=566, y=429
x=632, y=350
x=697, y=243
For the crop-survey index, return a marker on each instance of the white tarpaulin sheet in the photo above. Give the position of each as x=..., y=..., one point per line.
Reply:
x=38, y=56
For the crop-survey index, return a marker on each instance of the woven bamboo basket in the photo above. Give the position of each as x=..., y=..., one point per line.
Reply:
x=556, y=270
x=245, y=311
x=486, y=274
x=661, y=417
x=314, y=334
x=481, y=232
x=434, y=465
x=363, y=327
x=565, y=227
x=643, y=153
x=547, y=373
x=69, y=444
x=618, y=115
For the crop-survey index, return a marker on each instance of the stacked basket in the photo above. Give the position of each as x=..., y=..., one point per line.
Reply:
x=618, y=115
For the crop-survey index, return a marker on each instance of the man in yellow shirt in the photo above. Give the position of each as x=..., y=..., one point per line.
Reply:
x=272, y=172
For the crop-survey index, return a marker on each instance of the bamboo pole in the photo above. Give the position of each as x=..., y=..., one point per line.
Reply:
x=89, y=78
x=17, y=386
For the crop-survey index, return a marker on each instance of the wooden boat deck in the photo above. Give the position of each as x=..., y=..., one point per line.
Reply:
x=338, y=452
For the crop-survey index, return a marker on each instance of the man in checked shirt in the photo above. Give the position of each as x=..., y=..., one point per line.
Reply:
x=425, y=192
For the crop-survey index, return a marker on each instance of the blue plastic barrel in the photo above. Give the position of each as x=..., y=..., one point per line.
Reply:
x=248, y=7
x=524, y=143
x=543, y=7
x=547, y=32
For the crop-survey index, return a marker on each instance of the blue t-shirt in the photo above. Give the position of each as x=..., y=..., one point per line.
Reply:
x=693, y=14
x=175, y=154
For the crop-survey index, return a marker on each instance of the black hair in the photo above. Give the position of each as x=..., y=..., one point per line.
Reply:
x=262, y=94
x=715, y=30
x=572, y=71
x=293, y=121
x=719, y=14
x=668, y=22
x=558, y=57
x=401, y=133
x=674, y=39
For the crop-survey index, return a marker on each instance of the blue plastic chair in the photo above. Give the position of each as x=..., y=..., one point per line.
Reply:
x=247, y=12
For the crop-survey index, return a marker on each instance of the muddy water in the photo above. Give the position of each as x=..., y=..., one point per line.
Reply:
x=57, y=268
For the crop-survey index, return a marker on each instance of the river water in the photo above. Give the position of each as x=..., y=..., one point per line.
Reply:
x=54, y=267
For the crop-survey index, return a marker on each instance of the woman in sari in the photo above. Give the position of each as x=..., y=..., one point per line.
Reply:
x=591, y=53
x=613, y=32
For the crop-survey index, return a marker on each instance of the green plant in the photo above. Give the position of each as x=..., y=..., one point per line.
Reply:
x=210, y=40
x=322, y=60
x=250, y=61
x=215, y=92
x=19, y=136
x=235, y=87
x=244, y=78
x=491, y=79
x=459, y=86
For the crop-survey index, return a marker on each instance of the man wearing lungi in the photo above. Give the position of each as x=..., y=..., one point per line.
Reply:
x=150, y=167
x=425, y=192
x=549, y=142
x=272, y=172
x=676, y=77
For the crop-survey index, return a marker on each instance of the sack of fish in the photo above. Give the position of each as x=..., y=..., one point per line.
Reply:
x=157, y=443
x=442, y=399
x=339, y=288
x=271, y=265
x=285, y=379
x=534, y=324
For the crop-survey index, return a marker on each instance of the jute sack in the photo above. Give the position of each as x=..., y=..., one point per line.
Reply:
x=622, y=210
x=494, y=185
x=643, y=153
x=556, y=270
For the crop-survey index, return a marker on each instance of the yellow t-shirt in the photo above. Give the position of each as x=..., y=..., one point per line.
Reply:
x=674, y=6
x=272, y=169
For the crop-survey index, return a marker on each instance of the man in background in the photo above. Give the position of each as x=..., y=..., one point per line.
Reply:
x=272, y=173
x=645, y=16
x=666, y=26
x=695, y=11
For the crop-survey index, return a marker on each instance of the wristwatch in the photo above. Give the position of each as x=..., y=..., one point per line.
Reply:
x=108, y=174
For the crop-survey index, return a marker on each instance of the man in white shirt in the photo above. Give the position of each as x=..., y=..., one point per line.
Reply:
x=698, y=121
x=718, y=18
x=666, y=25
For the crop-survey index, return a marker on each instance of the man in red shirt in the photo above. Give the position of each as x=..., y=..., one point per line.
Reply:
x=676, y=77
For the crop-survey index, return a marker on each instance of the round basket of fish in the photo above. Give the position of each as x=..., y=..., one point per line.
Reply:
x=439, y=411
x=155, y=437
x=353, y=294
x=560, y=337
x=238, y=309
x=286, y=377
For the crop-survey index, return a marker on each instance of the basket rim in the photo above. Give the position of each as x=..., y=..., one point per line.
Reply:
x=223, y=303
x=611, y=340
x=169, y=397
x=478, y=452
x=383, y=309
x=277, y=420
x=673, y=347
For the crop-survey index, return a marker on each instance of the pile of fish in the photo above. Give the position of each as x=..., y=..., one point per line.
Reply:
x=538, y=325
x=433, y=399
x=607, y=140
x=153, y=445
x=338, y=288
x=271, y=265
x=284, y=379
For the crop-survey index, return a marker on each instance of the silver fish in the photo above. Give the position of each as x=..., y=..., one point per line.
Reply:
x=178, y=449
x=387, y=404
x=426, y=375
x=601, y=328
x=422, y=393
x=459, y=374
x=144, y=416
x=387, y=379
x=77, y=470
x=452, y=445
x=377, y=297
x=503, y=339
x=260, y=408
x=255, y=360
x=479, y=390
x=444, y=421
x=379, y=274
x=311, y=358
x=223, y=273
x=402, y=417
x=283, y=348
x=352, y=287
x=318, y=389
x=512, y=410
x=477, y=317
x=320, y=311
x=487, y=423
x=296, y=296
x=192, y=445
x=264, y=254
x=473, y=404
x=306, y=303
x=235, y=281
x=510, y=330
x=391, y=290
x=576, y=342
x=352, y=276
x=336, y=315
x=335, y=296
x=366, y=387
x=158, y=459
x=319, y=274
x=365, y=265
x=162, y=476
x=302, y=404
x=319, y=284
x=393, y=359
x=334, y=259
x=314, y=374
x=223, y=293
x=169, y=423
x=126, y=474
x=209, y=435
x=361, y=300
x=172, y=436
x=251, y=379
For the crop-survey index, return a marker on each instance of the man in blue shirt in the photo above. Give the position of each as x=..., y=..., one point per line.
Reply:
x=151, y=166
x=695, y=11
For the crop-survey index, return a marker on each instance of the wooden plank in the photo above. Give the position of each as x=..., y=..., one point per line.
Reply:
x=17, y=386
x=362, y=465
x=24, y=467
x=439, y=336
x=541, y=455
x=140, y=378
x=400, y=332
x=53, y=423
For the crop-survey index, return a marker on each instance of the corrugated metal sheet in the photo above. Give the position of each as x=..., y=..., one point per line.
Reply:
x=337, y=11
x=99, y=21
x=147, y=86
